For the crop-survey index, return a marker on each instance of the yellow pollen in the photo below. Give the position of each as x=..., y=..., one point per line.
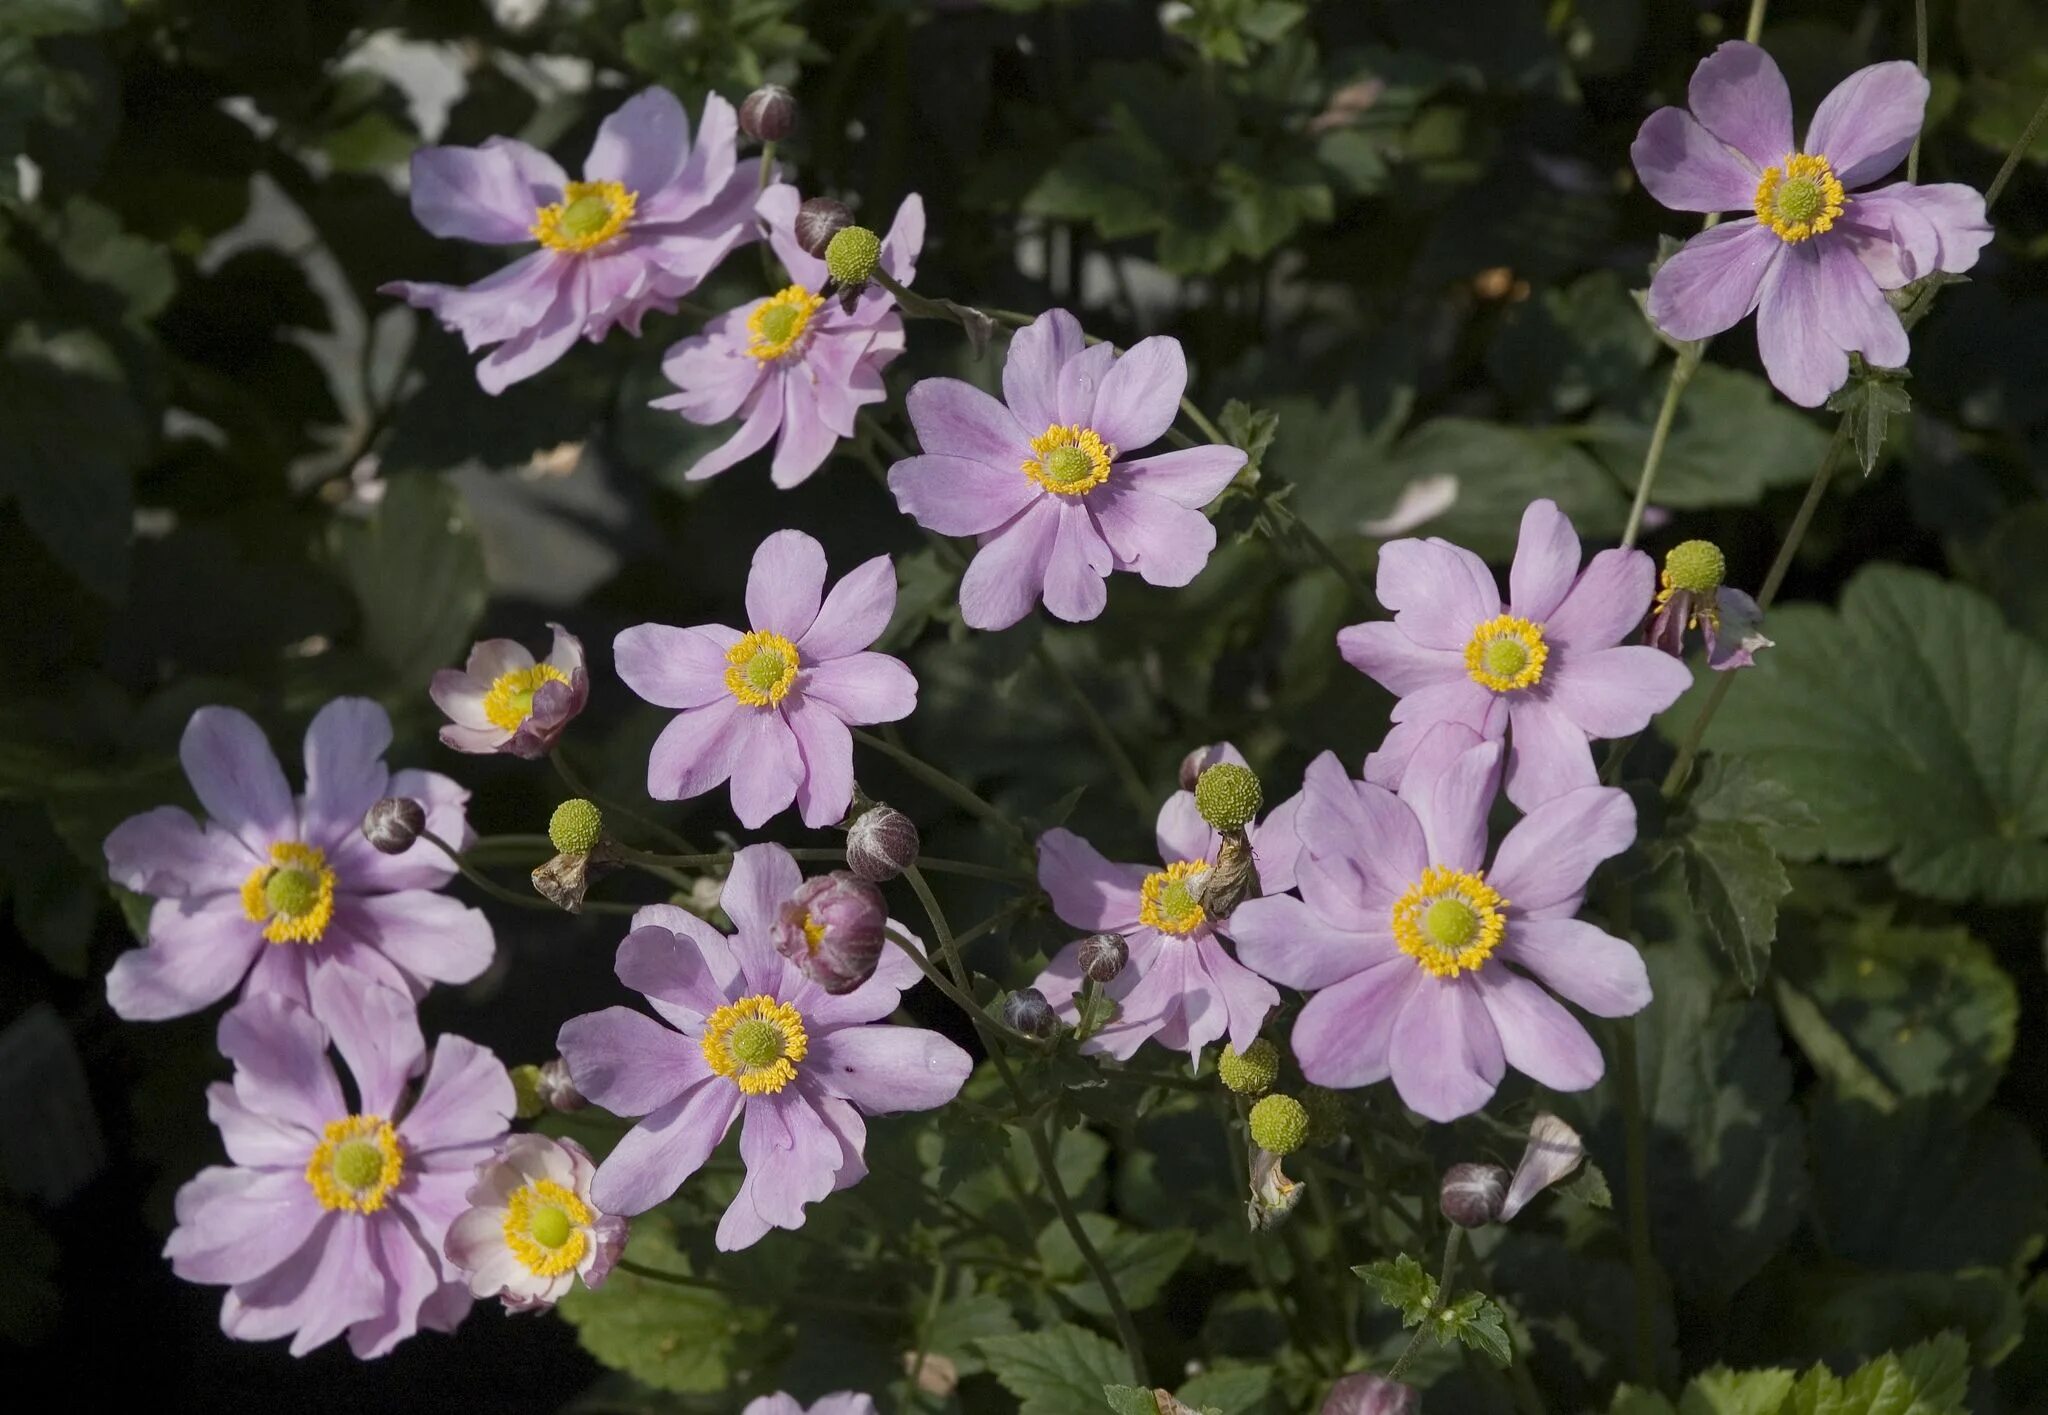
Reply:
x=510, y=700
x=814, y=934
x=1071, y=460
x=1799, y=200
x=1506, y=653
x=780, y=320
x=1449, y=921
x=756, y=1041
x=1169, y=901
x=544, y=1226
x=589, y=214
x=1704, y=609
x=763, y=667
x=294, y=893
x=357, y=1163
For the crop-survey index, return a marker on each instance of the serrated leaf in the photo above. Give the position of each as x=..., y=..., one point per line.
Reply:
x=1130, y=1400
x=1478, y=1322
x=961, y=1323
x=1139, y=1260
x=1252, y=429
x=1232, y=1390
x=1730, y=789
x=1057, y=1370
x=1725, y=1392
x=1914, y=724
x=417, y=570
x=1870, y=403
x=1736, y=881
x=1589, y=1187
x=663, y=1335
x=1402, y=1283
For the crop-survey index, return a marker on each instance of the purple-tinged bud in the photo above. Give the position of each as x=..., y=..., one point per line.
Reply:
x=833, y=928
x=1194, y=763
x=769, y=113
x=1103, y=957
x=881, y=844
x=556, y=1090
x=394, y=823
x=1369, y=1393
x=1473, y=1193
x=1554, y=1151
x=818, y=221
x=1026, y=1012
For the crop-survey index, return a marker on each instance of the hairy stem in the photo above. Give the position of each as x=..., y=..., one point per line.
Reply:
x=954, y=791
x=1443, y=1300
x=513, y=897
x=1682, y=370
x=1642, y=1261
x=2012, y=159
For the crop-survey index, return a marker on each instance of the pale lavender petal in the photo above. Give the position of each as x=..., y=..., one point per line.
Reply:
x=674, y=668
x=1615, y=692
x=957, y=497
x=329, y=1285
x=1247, y=999
x=165, y=852
x=1344, y=1033
x=1608, y=603
x=1741, y=97
x=1440, y=748
x=1581, y=964
x=1076, y=586
x=1904, y=232
x=807, y=439
x=1791, y=330
x=904, y=239
x=762, y=877
x=363, y=869
x=235, y=1225
x=1276, y=847
x=1007, y=574
x=259, y=1141
x=411, y=1272
x=1867, y=124
x=472, y=194
x=1389, y=765
x=863, y=688
x=377, y=1034
x=279, y=1053
x=495, y=308
x=652, y=1160
x=1554, y=1151
x=1088, y=891
x=956, y=419
x=1139, y=396
x=1713, y=283
x=1548, y=753
x=1854, y=311
x=1537, y=1036
x=696, y=752
x=1191, y=477
x=1546, y=561
x=712, y=370
x=785, y=583
x=1180, y=832
x=345, y=773
x=198, y=950
x=895, y=974
x=1451, y=802
x=1078, y=381
x=1032, y=368
x=827, y=750
x=707, y=174
x=767, y=766
x=778, y=207
x=1545, y=860
x=543, y=176
x=676, y=966
x=1366, y=827
x=1165, y=542
x=629, y=1063
x=642, y=144
x=428, y=935
x=541, y=344
x=1438, y=591
x=466, y=1099
x=1445, y=1054
x=1382, y=652
x=1734, y=638
x=1687, y=168
x=1287, y=941
x=884, y=1069
x=791, y=1157
x=236, y=777
x=854, y=613
x=764, y=417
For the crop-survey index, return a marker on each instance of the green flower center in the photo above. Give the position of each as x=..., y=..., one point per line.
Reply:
x=549, y=1227
x=1066, y=465
x=779, y=323
x=1176, y=899
x=765, y=669
x=1451, y=923
x=1505, y=657
x=586, y=216
x=358, y=1164
x=755, y=1042
x=292, y=893
x=1798, y=199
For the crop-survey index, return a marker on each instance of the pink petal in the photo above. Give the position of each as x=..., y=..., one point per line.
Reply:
x=652, y=1160
x=345, y=774
x=958, y=497
x=1608, y=603
x=1855, y=312
x=428, y=935
x=1445, y=1054
x=885, y=1069
x=1741, y=97
x=472, y=194
x=1548, y=753
x=1451, y=803
x=1384, y=653
x=1687, y=168
x=198, y=950
x=1546, y=858
x=1287, y=941
x=1438, y=591
x=542, y=343
x=854, y=614
x=1537, y=1036
x=641, y=143
x=466, y=1100
x=165, y=852
x=236, y=777
x=1365, y=828
x=629, y=1063
x=1804, y=363
x=697, y=751
x=1715, y=280
x=675, y=668
x=764, y=418
x=807, y=438
x=1344, y=1035
x=863, y=688
x=1007, y=574
x=1140, y=394
x=827, y=748
x=1191, y=477
x=671, y=963
x=1079, y=380
x=785, y=584
x=1031, y=370
x=1581, y=964
x=1180, y=832
x=282, y=1073
x=1076, y=587
x=1615, y=692
x=1165, y=542
x=956, y=419
x=1546, y=561
x=377, y=1034
x=762, y=877
x=1904, y=232
x=234, y=1225
x=1088, y=891
x=767, y=766
x=1867, y=124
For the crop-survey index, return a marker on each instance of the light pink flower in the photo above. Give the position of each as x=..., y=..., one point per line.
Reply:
x=532, y=1227
x=504, y=701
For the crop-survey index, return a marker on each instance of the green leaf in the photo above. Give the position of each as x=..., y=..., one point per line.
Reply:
x=1057, y=1370
x=417, y=570
x=1914, y=724
x=1478, y=1322
x=1725, y=1392
x=663, y=1335
x=1251, y=428
x=1131, y=1400
x=1870, y=402
x=1496, y=471
x=1139, y=1260
x=1736, y=881
x=1730, y=789
x=1402, y=1283
x=36, y=18
x=1233, y=1390
x=962, y=1322
x=1734, y=438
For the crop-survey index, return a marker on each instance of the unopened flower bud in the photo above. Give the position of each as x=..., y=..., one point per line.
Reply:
x=1369, y=1393
x=1103, y=957
x=1228, y=795
x=1553, y=1152
x=392, y=824
x=852, y=255
x=1252, y=1072
x=1279, y=1124
x=833, y=928
x=881, y=844
x=557, y=1091
x=1695, y=565
x=818, y=221
x=526, y=1098
x=1026, y=1012
x=575, y=827
x=769, y=113
x=1472, y=1194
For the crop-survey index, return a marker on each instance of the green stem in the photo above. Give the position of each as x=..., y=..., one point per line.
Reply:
x=960, y=999
x=1201, y=420
x=710, y=1284
x=578, y=787
x=1642, y=1261
x=1443, y=1300
x=1098, y=727
x=2012, y=159
x=1753, y=31
x=1323, y=551
x=499, y=892
x=939, y=781
x=1920, y=58
x=1682, y=370
x=914, y=1371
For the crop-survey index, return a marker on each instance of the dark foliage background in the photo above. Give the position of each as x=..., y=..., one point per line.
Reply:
x=231, y=472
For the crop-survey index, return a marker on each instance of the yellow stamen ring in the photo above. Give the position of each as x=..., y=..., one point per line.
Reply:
x=588, y=215
x=1799, y=200
x=357, y=1163
x=1071, y=460
x=510, y=700
x=1169, y=900
x=1449, y=921
x=294, y=893
x=1506, y=653
x=779, y=321
x=1704, y=609
x=757, y=1042
x=763, y=668
x=544, y=1226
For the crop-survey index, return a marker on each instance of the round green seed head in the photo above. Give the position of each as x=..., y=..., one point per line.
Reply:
x=550, y=1226
x=527, y=1102
x=1279, y=1124
x=1251, y=1073
x=575, y=827
x=358, y=1164
x=1228, y=796
x=1696, y=565
x=852, y=255
x=292, y=893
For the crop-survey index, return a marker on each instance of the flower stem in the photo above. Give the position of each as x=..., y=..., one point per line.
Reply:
x=1098, y=726
x=1682, y=370
x=939, y=781
x=712, y=1284
x=578, y=787
x=1681, y=768
x=513, y=897
x=1753, y=31
x=2012, y=159
x=1321, y=547
x=1642, y=1261
x=1443, y=1300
